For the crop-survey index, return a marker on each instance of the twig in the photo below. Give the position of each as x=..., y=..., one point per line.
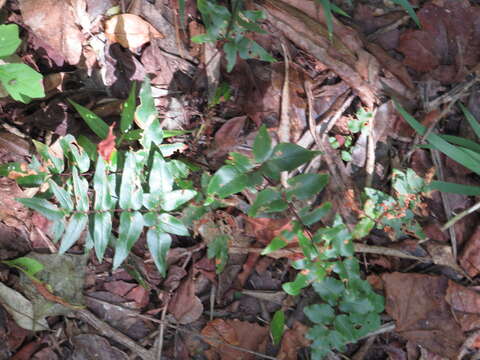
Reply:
x=284, y=126
x=445, y=201
x=460, y=216
x=107, y=330
x=370, y=162
x=161, y=331
x=388, y=327
x=380, y=250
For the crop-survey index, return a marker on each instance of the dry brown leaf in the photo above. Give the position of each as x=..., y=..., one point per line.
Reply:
x=54, y=22
x=470, y=259
x=292, y=341
x=417, y=303
x=185, y=306
x=106, y=147
x=130, y=31
x=246, y=335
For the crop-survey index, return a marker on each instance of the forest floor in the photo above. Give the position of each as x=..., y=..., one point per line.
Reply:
x=341, y=96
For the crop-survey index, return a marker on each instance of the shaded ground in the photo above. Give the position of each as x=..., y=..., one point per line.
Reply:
x=376, y=55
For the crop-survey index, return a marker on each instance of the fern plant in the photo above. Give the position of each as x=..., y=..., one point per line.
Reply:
x=141, y=187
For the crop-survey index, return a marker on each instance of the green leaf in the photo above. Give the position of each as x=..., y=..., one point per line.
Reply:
x=77, y=155
x=62, y=196
x=277, y=326
x=102, y=229
x=320, y=313
x=128, y=110
x=409, y=9
x=32, y=180
x=89, y=147
x=471, y=120
x=159, y=244
x=172, y=225
x=28, y=265
x=454, y=152
x=363, y=228
x=5, y=169
x=310, y=218
x=226, y=181
x=287, y=157
x=262, y=146
x=103, y=199
x=305, y=186
x=268, y=200
x=308, y=249
x=146, y=112
x=230, y=50
x=343, y=325
x=152, y=134
x=131, y=193
x=21, y=82
x=54, y=163
x=73, y=231
x=44, y=207
x=329, y=289
x=80, y=187
x=9, y=39
x=293, y=288
x=94, y=122
x=176, y=198
x=464, y=142
x=276, y=244
x=129, y=230
x=453, y=188
x=218, y=249
x=161, y=179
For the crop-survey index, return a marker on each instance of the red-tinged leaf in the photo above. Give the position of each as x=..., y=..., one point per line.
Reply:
x=106, y=147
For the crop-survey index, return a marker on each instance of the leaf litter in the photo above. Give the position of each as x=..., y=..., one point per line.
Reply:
x=92, y=53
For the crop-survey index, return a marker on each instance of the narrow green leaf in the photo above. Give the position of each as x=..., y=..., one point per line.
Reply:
x=103, y=199
x=176, y=198
x=152, y=134
x=262, y=146
x=453, y=188
x=440, y=144
x=277, y=326
x=102, y=228
x=89, y=147
x=32, y=180
x=218, y=249
x=464, y=142
x=128, y=110
x=131, y=193
x=62, y=196
x=26, y=264
x=73, y=231
x=130, y=228
x=5, y=169
x=77, y=156
x=172, y=225
x=159, y=244
x=161, y=179
x=44, y=207
x=80, y=187
x=54, y=163
x=146, y=112
x=409, y=9
x=475, y=125
x=94, y=122
x=363, y=228
x=9, y=39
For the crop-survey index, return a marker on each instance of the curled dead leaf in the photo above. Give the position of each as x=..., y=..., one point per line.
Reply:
x=130, y=31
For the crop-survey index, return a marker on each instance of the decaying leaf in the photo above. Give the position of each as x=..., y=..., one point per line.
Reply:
x=54, y=22
x=185, y=306
x=417, y=303
x=247, y=335
x=130, y=31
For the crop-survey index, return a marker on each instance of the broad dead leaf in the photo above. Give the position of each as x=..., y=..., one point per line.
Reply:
x=247, y=335
x=54, y=22
x=470, y=259
x=292, y=341
x=185, y=306
x=417, y=303
x=130, y=31
x=448, y=43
